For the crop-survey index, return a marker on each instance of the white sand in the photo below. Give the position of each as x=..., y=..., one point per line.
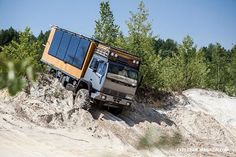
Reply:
x=44, y=124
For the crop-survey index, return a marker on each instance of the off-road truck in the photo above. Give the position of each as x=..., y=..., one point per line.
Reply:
x=93, y=70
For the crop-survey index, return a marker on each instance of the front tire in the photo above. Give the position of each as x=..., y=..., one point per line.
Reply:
x=82, y=99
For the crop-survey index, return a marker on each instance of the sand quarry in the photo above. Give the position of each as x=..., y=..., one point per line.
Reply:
x=43, y=123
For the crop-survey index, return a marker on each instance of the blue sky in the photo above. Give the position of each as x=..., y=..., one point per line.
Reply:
x=206, y=21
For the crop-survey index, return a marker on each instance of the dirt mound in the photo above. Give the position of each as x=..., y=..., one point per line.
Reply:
x=50, y=106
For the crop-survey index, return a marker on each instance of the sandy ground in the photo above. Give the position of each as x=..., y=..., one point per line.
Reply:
x=44, y=123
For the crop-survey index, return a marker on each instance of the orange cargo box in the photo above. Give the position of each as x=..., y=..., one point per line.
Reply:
x=68, y=52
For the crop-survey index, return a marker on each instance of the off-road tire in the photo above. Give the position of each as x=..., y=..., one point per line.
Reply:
x=82, y=99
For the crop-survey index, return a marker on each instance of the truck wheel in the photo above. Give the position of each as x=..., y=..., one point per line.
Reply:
x=82, y=99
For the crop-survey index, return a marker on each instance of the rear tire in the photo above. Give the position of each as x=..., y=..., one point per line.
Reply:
x=82, y=99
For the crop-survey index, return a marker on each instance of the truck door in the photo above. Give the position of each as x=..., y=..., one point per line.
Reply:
x=96, y=71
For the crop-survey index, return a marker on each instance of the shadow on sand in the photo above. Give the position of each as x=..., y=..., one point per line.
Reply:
x=140, y=114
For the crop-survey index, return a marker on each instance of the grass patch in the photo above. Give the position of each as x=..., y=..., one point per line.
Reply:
x=151, y=140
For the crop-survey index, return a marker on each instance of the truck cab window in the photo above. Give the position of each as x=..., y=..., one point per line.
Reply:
x=101, y=67
x=122, y=70
x=98, y=66
x=94, y=64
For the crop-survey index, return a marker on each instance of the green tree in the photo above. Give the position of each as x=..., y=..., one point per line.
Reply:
x=184, y=70
x=106, y=30
x=26, y=48
x=140, y=42
x=187, y=51
x=43, y=36
x=218, y=75
x=140, y=36
x=165, y=48
x=194, y=68
x=6, y=36
x=198, y=71
x=19, y=62
x=172, y=73
x=42, y=39
x=231, y=84
x=121, y=41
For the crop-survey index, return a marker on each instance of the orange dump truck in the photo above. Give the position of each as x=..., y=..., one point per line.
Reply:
x=95, y=71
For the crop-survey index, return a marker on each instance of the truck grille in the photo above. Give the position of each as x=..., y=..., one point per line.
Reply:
x=114, y=93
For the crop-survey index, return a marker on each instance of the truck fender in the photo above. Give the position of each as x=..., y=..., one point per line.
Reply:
x=84, y=84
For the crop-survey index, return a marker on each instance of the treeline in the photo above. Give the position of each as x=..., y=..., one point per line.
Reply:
x=166, y=64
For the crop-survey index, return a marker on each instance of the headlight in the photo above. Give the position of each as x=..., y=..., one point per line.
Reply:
x=128, y=103
x=104, y=97
x=130, y=97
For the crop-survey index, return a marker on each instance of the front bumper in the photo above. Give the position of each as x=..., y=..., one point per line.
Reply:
x=111, y=99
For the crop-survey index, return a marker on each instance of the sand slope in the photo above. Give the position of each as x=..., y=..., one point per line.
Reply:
x=44, y=123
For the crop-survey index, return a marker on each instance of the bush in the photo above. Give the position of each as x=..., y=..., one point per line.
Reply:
x=151, y=139
x=19, y=62
x=15, y=76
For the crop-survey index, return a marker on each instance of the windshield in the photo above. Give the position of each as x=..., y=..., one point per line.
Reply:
x=122, y=70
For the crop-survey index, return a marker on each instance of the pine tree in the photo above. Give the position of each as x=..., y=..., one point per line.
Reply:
x=184, y=70
x=187, y=52
x=43, y=36
x=106, y=30
x=218, y=75
x=140, y=36
x=140, y=42
x=6, y=36
x=165, y=48
x=231, y=84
